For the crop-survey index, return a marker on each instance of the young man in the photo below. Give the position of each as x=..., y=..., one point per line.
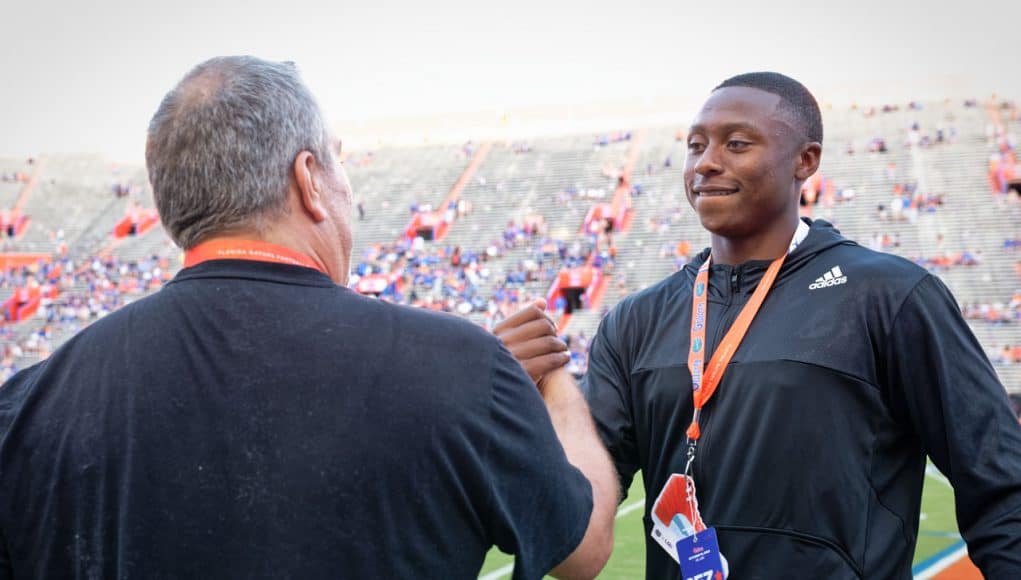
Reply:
x=257, y=419
x=808, y=459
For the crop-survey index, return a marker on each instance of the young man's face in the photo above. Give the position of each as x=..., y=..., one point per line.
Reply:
x=739, y=174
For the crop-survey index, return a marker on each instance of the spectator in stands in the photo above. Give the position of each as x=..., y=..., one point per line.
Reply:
x=682, y=254
x=854, y=367
x=945, y=260
x=271, y=422
x=520, y=147
x=577, y=345
x=1009, y=355
x=878, y=145
x=995, y=312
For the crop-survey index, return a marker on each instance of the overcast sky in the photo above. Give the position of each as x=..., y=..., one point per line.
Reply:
x=86, y=76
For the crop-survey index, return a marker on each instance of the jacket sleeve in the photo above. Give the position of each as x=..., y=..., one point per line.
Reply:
x=941, y=379
x=5, y=562
x=606, y=386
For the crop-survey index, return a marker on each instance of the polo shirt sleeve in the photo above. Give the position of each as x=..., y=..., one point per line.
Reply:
x=7, y=411
x=540, y=504
x=943, y=383
x=606, y=386
x=12, y=395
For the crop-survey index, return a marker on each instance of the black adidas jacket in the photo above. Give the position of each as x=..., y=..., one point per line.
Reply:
x=813, y=448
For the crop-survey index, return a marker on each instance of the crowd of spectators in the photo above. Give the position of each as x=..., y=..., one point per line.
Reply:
x=14, y=177
x=1007, y=355
x=604, y=139
x=821, y=190
x=661, y=222
x=885, y=242
x=73, y=294
x=37, y=344
x=945, y=260
x=1004, y=171
x=481, y=282
x=680, y=252
x=995, y=312
x=908, y=202
x=578, y=346
x=873, y=145
x=443, y=277
x=462, y=281
x=923, y=140
x=571, y=193
x=521, y=147
x=916, y=136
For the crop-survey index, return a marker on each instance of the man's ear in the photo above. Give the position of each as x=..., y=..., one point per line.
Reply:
x=310, y=193
x=808, y=160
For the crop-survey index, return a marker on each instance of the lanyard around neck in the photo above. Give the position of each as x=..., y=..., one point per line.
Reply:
x=705, y=379
x=253, y=250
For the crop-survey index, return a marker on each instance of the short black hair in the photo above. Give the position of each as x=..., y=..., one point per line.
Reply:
x=794, y=98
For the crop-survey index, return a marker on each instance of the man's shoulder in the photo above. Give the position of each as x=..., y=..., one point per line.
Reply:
x=637, y=315
x=13, y=393
x=650, y=299
x=143, y=311
x=875, y=272
x=430, y=324
x=423, y=336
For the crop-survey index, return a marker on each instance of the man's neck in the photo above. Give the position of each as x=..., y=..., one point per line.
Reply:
x=280, y=237
x=768, y=245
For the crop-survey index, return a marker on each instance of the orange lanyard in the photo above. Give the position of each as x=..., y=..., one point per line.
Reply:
x=247, y=250
x=704, y=385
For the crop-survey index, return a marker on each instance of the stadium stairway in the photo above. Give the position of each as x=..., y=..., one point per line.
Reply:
x=510, y=184
x=392, y=182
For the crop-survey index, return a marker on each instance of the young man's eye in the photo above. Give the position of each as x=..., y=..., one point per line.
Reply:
x=695, y=147
x=736, y=144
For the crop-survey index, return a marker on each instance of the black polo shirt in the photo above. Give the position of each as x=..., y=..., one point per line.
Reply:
x=256, y=420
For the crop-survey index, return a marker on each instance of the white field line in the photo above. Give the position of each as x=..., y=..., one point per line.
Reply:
x=625, y=510
x=931, y=471
x=942, y=564
x=505, y=570
x=951, y=558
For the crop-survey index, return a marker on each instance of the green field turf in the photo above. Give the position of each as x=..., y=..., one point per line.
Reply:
x=628, y=559
x=938, y=530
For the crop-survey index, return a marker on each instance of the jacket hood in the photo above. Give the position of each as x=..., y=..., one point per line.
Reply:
x=821, y=237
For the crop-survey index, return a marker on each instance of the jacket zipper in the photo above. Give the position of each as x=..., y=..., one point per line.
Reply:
x=726, y=320
x=706, y=422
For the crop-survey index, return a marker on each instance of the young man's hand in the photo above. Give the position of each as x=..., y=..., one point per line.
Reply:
x=531, y=336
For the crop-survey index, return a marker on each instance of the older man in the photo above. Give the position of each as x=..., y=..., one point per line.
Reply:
x=257, y=419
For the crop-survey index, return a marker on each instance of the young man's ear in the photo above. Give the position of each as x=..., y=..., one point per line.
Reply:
x=808, y=160
x=310, y=193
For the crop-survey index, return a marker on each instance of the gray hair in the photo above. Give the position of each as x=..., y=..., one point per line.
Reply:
x=221, y=146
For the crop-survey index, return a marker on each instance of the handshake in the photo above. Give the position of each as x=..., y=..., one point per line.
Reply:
x=531, y=337
x=530, y=334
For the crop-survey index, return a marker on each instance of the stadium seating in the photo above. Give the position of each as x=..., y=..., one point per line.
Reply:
x=926, y=197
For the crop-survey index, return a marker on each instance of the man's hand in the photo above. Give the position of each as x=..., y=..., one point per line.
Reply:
x=531, y=336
